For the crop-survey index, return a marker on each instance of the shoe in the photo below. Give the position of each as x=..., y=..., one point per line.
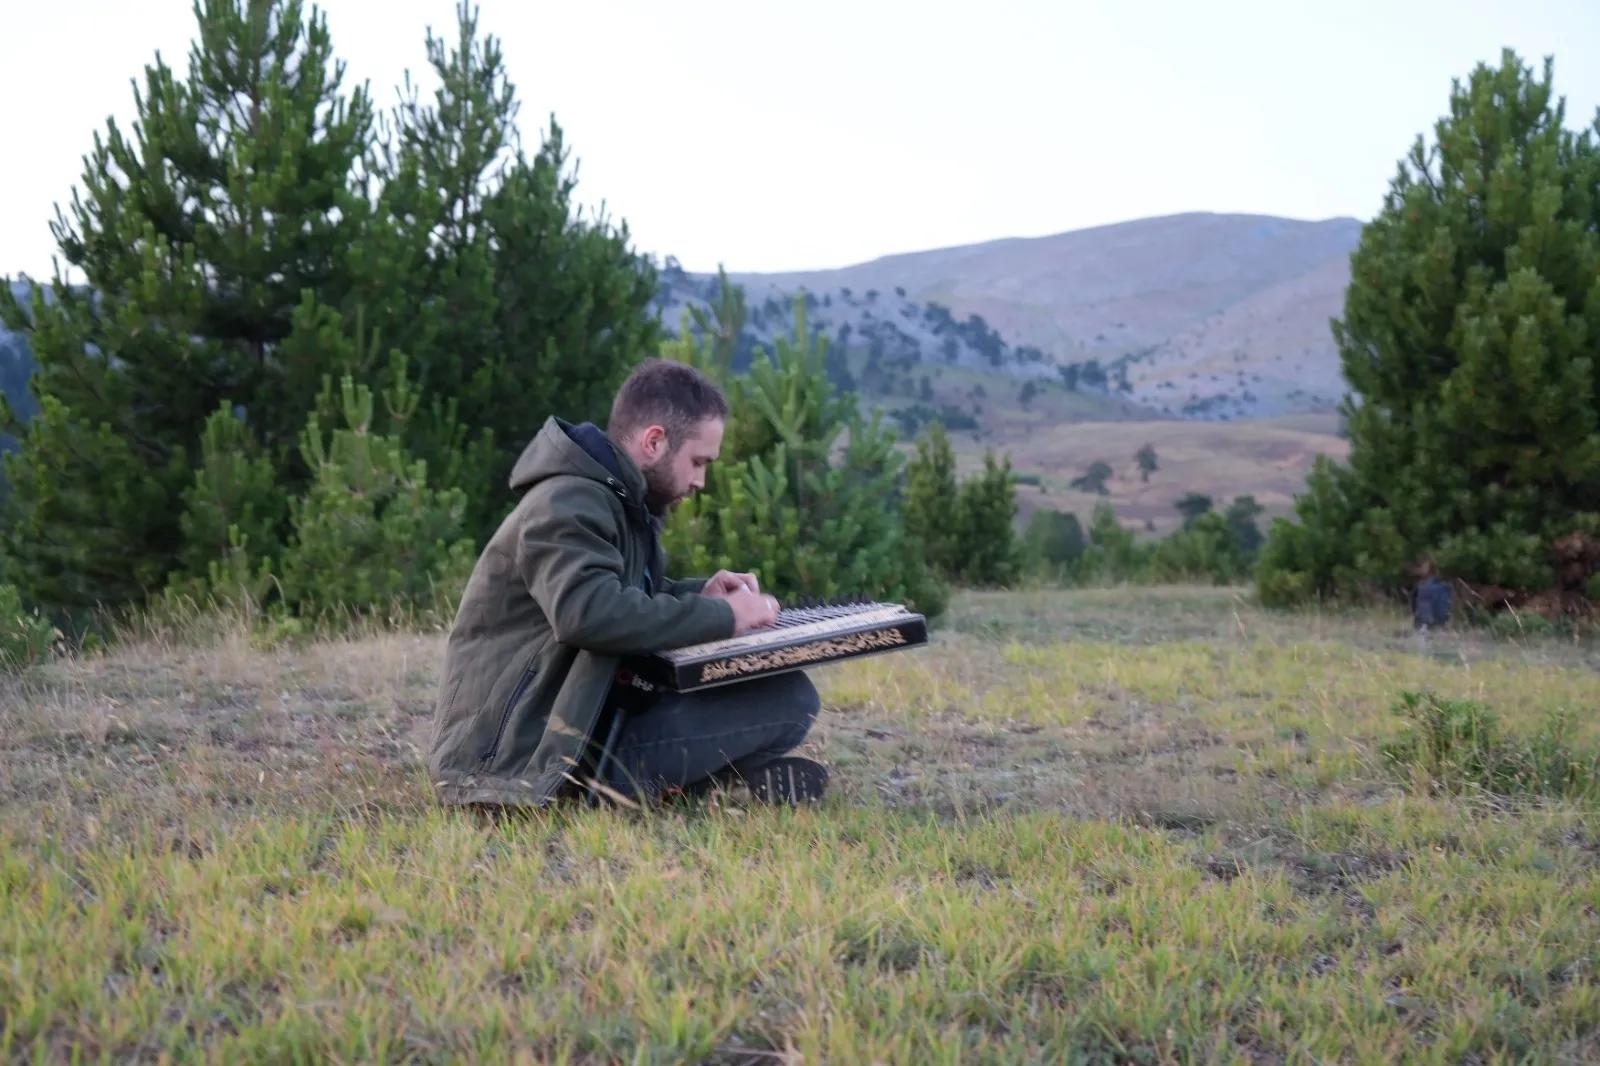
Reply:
x=788, y=780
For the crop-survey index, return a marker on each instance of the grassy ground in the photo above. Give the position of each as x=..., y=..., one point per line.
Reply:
x=1115, y=827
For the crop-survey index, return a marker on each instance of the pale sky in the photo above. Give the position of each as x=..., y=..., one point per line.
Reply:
x=790, y=136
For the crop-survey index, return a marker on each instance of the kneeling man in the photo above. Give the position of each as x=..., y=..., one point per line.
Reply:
x=571, y=585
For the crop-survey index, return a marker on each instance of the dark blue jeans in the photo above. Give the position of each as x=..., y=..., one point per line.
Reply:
x=682, y=739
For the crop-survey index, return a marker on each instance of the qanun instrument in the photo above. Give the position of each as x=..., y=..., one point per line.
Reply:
x=808, y=634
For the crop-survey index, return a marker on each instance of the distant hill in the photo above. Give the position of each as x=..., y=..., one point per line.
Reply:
x=914, y=359
x=1199, y=315
x=1270, y=353
x=1267, y=458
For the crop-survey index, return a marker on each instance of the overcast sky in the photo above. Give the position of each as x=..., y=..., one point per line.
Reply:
x=786, y=136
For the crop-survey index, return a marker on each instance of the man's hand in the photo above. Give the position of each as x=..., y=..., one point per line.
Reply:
x=751, y=610
x=724, y=584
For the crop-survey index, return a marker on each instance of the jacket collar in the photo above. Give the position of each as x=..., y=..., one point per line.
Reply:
x=622, y=473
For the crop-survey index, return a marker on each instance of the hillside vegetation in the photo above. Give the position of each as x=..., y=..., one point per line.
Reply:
x=1242, y=302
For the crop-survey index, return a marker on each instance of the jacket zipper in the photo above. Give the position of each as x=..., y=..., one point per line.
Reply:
x=622, y=493
x=505, y=716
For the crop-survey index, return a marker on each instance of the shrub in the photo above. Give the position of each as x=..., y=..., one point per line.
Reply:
x=1053, y=542
x=1458, y=745
x=25, y=636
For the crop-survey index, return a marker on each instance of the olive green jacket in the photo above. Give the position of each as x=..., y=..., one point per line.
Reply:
x=555, y=601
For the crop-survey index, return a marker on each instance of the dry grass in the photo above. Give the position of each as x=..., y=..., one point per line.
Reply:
x=1101, y=826
x=1268, y=458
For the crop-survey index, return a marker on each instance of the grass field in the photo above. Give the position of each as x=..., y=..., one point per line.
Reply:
x=1149, y=826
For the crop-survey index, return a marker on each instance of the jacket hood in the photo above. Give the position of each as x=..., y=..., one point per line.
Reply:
x=561, y=448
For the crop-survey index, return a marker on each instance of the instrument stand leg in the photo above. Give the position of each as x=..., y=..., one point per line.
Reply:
x=618, y=717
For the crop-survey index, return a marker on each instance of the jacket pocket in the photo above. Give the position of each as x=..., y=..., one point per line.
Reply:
x=528, y=674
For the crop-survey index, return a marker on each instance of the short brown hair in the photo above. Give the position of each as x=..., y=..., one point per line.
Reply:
x=665, y=393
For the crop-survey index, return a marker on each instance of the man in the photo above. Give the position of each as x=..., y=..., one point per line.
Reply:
x=571, y=585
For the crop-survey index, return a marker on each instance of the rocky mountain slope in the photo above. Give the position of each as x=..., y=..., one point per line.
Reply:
x=1200, y=315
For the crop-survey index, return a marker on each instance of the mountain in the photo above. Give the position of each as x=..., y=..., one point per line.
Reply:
x=1270, y=353
x=1208, y=316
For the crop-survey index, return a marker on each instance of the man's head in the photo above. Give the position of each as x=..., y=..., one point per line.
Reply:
x=668, y=418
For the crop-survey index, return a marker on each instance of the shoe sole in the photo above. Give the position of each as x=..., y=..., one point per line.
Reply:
x=788, y=781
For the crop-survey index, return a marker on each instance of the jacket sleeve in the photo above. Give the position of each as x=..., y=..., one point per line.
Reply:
x=683, y=586
x=568, y=556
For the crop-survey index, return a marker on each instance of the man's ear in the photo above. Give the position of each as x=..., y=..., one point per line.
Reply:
x=653, y=442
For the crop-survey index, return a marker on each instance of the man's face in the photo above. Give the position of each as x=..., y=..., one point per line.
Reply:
x=675, y=474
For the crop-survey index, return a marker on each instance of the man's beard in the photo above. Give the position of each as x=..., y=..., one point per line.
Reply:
x=659, y=493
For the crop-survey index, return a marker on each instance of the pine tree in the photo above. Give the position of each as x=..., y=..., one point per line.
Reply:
x=198, y=239
x=81, y=503
x=966, y=528
x=370, y=533
x=1241, y=519
x=1206, y=548
x=574, y=309
x=1093, y=479
x=932, y=498
x=232, y=517
x=1192, y=505
x=509, y=302
x=785, y=500
x=1146, y=457
x=985, y=510
x=724, y=322
x=1112, y=553
x=432, y=263
x=1468, y=341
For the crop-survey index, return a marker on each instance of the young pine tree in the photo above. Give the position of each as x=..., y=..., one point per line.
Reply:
x=1468, y=341
x=573, y=313
x=984, y=514
x=197, y=237
x=811, y=517
x=932, y=499
x=966, y=528
x=232, y=517
x=430, y=261
x=724, y=323
x=370, y=533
